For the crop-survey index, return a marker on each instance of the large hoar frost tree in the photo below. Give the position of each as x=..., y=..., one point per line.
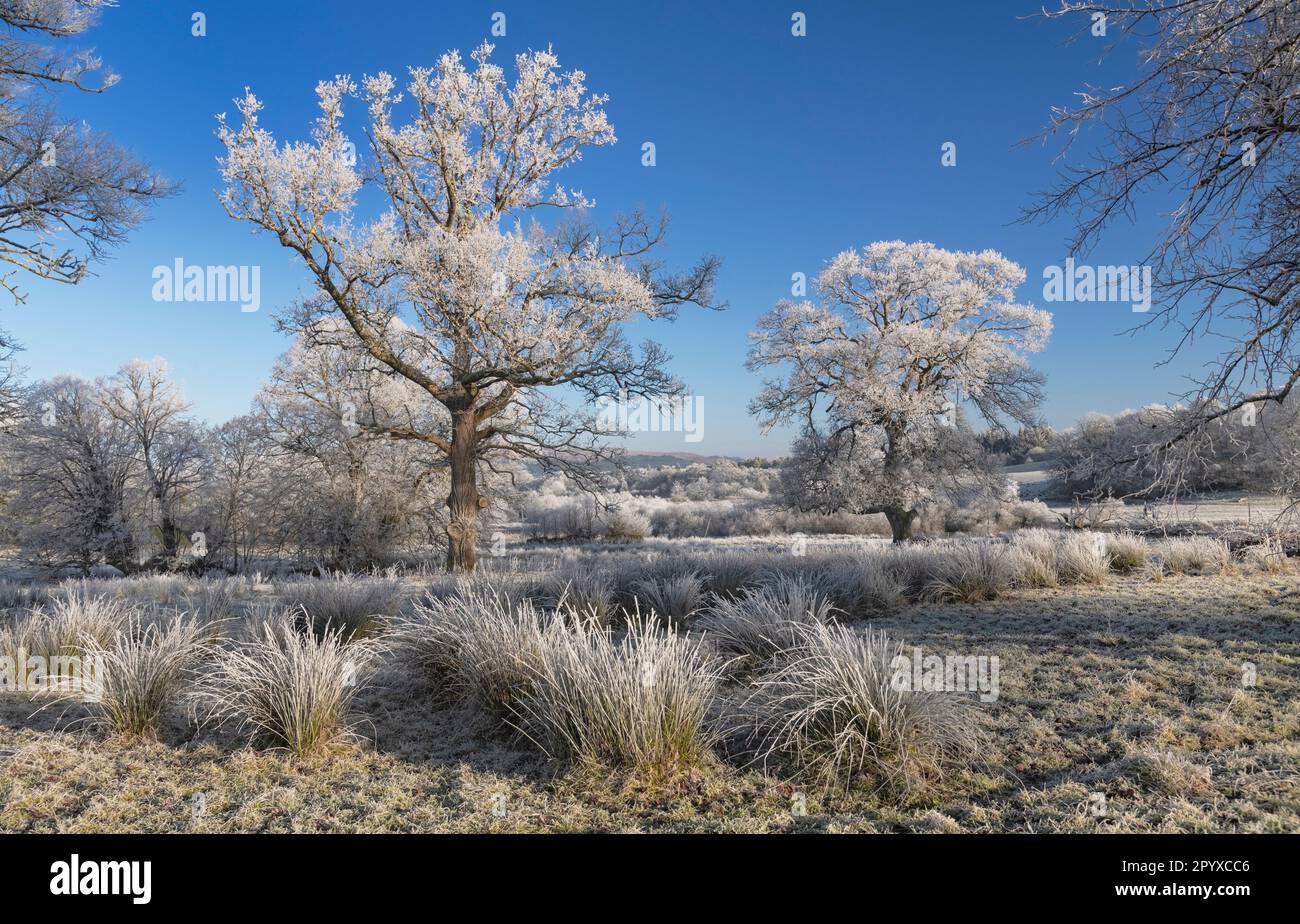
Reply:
x=458, y=286
x=881, y=365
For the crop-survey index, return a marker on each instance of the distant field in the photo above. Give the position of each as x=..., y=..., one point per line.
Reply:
x=1219, y=509
x=1033, y=478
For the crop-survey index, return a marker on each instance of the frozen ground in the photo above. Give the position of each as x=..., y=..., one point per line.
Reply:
x=1122, y=707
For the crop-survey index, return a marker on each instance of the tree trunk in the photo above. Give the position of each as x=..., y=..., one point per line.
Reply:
x=463, y=503
x=900, y=519
x=900, y=522
x=170, y=547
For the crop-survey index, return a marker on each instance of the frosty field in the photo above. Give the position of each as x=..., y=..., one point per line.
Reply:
x=1121, y=707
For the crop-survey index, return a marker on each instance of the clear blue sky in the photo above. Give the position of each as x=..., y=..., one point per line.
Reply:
x=775, y=152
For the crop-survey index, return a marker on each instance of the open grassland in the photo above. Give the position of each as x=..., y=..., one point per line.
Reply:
x=1214, y=508
x=1123, y=700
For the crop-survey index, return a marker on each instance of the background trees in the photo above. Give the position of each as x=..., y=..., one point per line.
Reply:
x=117, y=472
x=108, y=471
x=346, y=492
x=876, y=365
x=448, y=288
x=1245, y=451
x=239, y=493
x=166, y=445
x=66, y=479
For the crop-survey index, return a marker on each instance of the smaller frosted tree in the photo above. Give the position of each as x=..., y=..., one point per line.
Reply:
x=350, y=489
x=878, y=366
x=168, y=446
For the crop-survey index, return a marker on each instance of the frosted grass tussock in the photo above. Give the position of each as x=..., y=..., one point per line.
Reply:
x=143, y=671
x=476, y=645
x=1127, y=552
x=347, y=602
x=727, y=574
x=763, y=621
x=640, y=701
x=673, y=599
x=214, y=600
x=830, y=712
x=508, y=585
x=1267, y=556
x=1193, y=555
x=872, y=582
x=970, y=572
x=289, y=687
x=1033, y=557
x=14, y=595
x=588, y=592
x=63, y=626
x=916, y=566
x=1082, y=558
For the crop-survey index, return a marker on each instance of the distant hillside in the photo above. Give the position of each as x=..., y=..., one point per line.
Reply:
x=669, y=458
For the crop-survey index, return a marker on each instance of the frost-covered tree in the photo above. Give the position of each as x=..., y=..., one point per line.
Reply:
x=169, y=447
x=1209, y=127
x=240, y=495
x=59, y=180
x=10, y=384
x=841, y=470
x=1105, y=455
x=346, y=493
x=93, y=469
x=67, y=193
x=456, y=285
x=879, y=366
x=66, y=478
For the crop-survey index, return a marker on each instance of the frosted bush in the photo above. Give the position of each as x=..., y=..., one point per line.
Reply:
x=640, y=702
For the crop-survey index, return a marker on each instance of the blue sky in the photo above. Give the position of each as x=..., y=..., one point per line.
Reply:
x=775, y=152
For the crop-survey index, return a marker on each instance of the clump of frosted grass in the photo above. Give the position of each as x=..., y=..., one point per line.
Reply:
x=763, y=621
x=831, y=712
x=143, y=671
x=290, y=687
x=640, y=701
